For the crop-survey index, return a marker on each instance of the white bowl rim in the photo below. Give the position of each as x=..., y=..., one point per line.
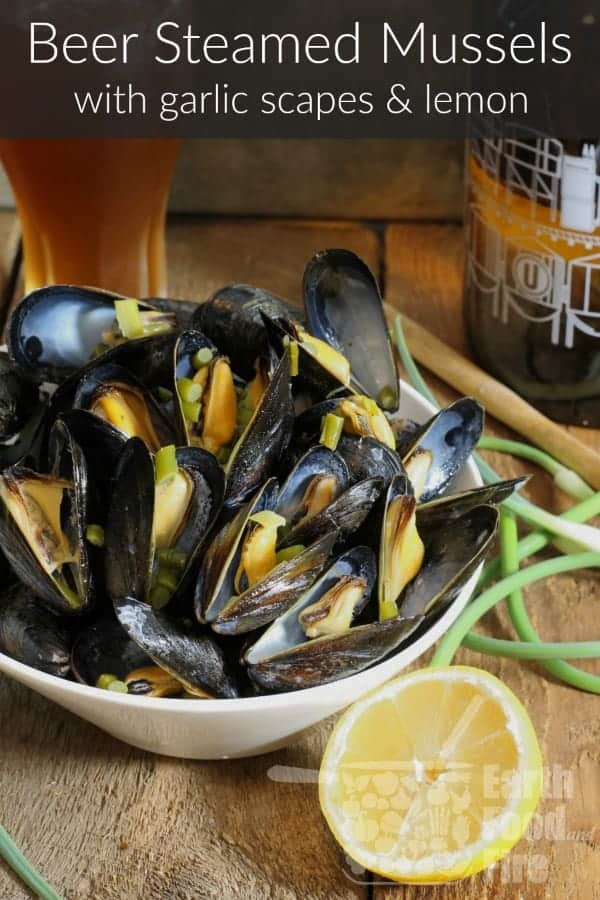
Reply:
x=285, y=699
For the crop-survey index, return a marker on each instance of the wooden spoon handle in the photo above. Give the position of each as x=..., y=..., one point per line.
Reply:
x=501, y=402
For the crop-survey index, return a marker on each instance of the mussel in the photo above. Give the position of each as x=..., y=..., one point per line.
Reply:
x=43, y=525
x=158, y=522
x=233, y=319
x=104, y=656
x=243, y=584
x=441, y=447
x=58, y=329
x=114, y=395
x=33, y=635
x=321, y=638
x=344, y=308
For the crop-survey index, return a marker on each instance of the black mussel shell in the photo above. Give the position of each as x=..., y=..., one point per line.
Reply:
x=284, y=659
x=232, y=319
x=441, y=510
x=259, y=450
x=448, y=439
x=189, y=654
x=130, y=527
x=70, y=464
x=451, y=557
x=343, y=307
x=345, y=515
x=102, y=376
x=263, y=602
x=317, y=461
x=19, y=399
x=101, y=445
x=188, y=343
x=104, y=648
x=368, y=458
x=55, y=330
x=33, y=635
x=215, y=583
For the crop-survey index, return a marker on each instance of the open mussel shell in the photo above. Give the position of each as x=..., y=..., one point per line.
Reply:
x=104, y=648
x=367, y=457
x=43, y=522
x=284, y=659
x=442, y=510
x=191, y=655
x=344, y=515
x=55, y=330
x=258, y=451
x=116, y=396
x=343, y=307
x=101, y=445
x=442, y=446
x=215, y=583
x=277, y=591
x=232, y=318
x=19, y=399
x=319, y=471
x=451, y=556
x=187, y=345
x=134, y=530
x=33, y=635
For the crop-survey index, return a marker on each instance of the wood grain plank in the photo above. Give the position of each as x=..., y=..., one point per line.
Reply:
x=205, y=255
x=560, y=855
x=368, y=179
x=106, y=822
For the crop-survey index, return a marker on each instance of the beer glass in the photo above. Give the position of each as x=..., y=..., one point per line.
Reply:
x=532, y=282
x=92, y=212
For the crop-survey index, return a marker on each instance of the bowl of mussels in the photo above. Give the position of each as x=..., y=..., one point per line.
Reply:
x=223, y=521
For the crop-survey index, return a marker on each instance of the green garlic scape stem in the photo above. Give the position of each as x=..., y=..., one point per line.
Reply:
x=23, y=868
x=537, y=651
x=477, y=608
x=564, y=478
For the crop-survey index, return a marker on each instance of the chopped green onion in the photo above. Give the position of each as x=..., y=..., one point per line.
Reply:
x=172, y=559
x=164, y=395
x=165, y=463
x=105, y=680
x=95, y=535
x=294, y=359
x=168, y=579
x=159, y=596
x=268, y=519
x=119, y=687
x=386, y=398
x=191, y=411
x=331, y=430
x=129, y=319
x=202, y=357
x=289, y=553
x=189, y=391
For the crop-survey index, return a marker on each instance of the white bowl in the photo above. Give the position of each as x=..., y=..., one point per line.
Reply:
x=218, y=729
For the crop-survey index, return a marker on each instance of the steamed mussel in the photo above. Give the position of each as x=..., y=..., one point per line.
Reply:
x=225, y=499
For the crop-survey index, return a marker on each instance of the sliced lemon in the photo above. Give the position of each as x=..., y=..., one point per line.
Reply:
x=433, y=776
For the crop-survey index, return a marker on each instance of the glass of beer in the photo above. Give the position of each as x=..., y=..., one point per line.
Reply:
x=93, y=212
x=532, y=289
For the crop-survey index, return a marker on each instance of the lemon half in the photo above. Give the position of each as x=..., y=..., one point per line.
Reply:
x=433, y=776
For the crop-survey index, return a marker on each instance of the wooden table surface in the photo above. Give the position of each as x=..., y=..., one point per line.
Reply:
x=108, y=822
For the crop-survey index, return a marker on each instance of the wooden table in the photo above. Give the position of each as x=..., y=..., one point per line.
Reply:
x=106, y=822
